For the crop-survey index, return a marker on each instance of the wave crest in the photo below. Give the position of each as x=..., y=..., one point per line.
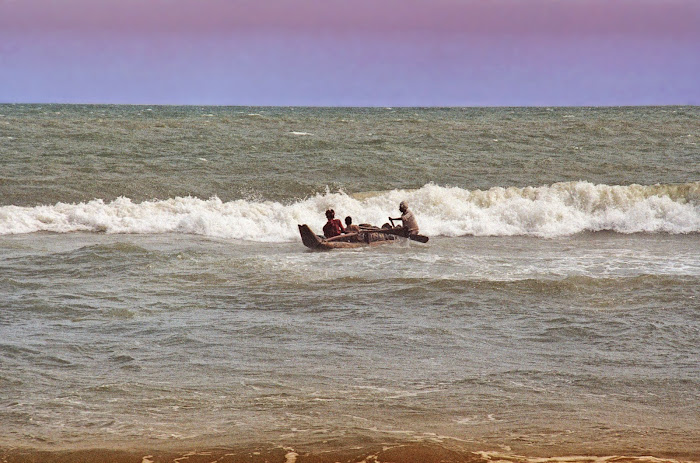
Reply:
x=546, y=211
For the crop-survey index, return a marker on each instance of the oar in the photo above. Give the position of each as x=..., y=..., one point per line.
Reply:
x=346, y=235
x=419, y=238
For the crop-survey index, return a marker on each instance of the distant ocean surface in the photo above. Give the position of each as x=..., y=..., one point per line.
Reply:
x=156, y=299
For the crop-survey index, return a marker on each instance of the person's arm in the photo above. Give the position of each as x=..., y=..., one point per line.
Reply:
x=394, y=225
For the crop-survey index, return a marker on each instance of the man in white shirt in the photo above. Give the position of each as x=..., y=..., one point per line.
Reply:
x=407, y=219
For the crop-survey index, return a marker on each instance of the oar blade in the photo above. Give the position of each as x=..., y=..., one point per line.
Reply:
x=419, y=238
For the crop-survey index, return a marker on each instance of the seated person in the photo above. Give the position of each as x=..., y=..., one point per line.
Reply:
x=349, y=227
x=333, y=227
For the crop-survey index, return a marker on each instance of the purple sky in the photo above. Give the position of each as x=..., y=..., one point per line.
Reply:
x=351, y=52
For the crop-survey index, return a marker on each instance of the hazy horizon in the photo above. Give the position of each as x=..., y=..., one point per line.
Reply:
x=311, y=53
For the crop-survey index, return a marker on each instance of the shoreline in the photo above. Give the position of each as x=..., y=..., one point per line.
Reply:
x=400, y=452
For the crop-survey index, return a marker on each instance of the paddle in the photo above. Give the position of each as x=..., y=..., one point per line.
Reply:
x=419, y=238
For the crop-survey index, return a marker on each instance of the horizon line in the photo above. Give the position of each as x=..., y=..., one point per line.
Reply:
x=311, y=106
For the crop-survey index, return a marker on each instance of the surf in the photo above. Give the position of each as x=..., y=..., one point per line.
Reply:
x=548, y=211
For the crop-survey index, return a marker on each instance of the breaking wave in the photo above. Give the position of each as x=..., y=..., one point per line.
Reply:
x=545, y=211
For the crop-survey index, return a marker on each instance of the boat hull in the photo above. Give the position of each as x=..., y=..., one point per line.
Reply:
x=360, y=240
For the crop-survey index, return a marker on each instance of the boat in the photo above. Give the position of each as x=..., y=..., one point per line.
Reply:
x=367, y=236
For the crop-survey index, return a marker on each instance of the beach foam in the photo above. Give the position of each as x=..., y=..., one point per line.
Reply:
x=547, y=211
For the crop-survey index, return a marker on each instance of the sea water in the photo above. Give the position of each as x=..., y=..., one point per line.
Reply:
x=155, y=293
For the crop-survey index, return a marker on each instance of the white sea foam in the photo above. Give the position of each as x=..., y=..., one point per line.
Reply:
x=546, y=211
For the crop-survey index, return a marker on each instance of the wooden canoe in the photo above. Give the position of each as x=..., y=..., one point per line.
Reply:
x=351, y=240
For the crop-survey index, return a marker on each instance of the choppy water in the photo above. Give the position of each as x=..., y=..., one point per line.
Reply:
x=154, y=291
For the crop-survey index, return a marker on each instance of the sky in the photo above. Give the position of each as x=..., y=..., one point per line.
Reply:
x=351, y=52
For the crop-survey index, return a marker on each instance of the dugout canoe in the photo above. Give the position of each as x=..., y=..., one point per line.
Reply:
x=366, y=237
x=350, y=240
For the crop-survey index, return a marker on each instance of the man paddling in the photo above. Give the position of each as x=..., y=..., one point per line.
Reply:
x=407, y=219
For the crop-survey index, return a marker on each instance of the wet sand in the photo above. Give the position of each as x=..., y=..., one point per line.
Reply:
x=401, y=453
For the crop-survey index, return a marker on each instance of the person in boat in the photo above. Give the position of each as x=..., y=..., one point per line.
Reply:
x=407, y=218
x=333, y=227
x=350, y=227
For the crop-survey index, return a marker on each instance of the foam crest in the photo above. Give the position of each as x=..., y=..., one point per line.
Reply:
x=547, y=211
x=564, y=209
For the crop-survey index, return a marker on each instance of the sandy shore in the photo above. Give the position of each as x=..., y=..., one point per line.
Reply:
x=408, y=453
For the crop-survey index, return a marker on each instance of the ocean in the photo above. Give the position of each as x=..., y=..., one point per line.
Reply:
x=157, y=304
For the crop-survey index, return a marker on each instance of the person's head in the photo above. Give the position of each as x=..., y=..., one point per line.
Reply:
x=403, y=206
x=330, y=214
x=348, y=221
